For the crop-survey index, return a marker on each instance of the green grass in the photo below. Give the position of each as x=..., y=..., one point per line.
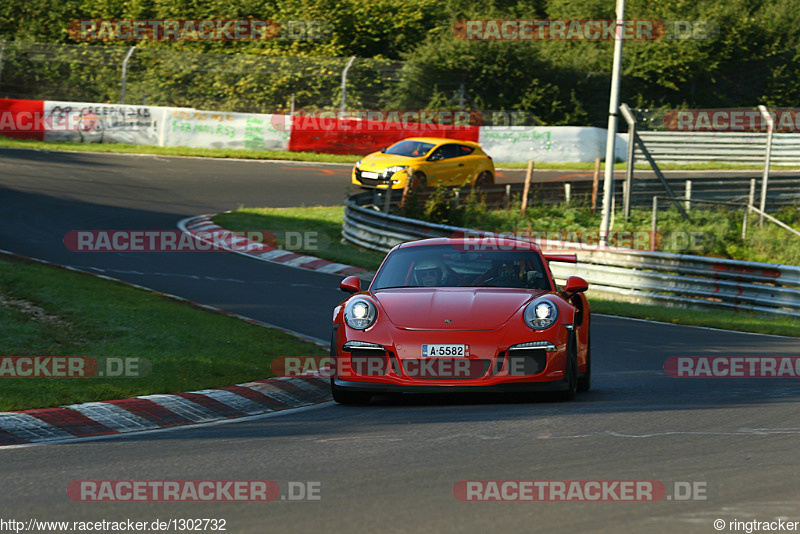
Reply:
x=330, y=219
x=714, y=232
x=742, y=321
x=324, y=225
x=120, y=148
x=50, y=311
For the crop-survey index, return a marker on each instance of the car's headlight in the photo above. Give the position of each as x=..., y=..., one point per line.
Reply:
x=358, y=164
x=397, y=168
x=360, y=314
x=541, y=314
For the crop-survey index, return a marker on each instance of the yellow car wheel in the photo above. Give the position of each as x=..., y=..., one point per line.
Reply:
x=417, y=181
x=485, y=179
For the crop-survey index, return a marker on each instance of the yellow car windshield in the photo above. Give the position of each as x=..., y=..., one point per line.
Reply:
x=412, y=149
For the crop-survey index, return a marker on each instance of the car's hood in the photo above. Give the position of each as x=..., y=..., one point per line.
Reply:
x=378, y=161
x=468, y=308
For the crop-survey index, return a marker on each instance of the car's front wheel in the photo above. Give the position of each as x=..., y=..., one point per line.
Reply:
x=418, y=181
x=571, y=371
x=349, y=397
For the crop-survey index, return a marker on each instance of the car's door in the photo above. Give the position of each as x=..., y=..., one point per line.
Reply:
x=467, y=164
x=444, y=164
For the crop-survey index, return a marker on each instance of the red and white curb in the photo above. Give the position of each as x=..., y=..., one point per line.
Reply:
x=151, y=412
x=205, y=230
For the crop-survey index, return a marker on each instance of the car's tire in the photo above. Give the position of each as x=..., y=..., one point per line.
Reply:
x=585, y=381
x=418, y=181
x=349, y=397
x=571, y=372
x=485, y=179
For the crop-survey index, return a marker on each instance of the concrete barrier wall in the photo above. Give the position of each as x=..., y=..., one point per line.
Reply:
x=87, y=122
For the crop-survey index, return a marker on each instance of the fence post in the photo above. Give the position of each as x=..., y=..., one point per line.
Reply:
x=654, y=224
x=688, y=195
x=595, y=183
x=744, y=223
x=567, y=192
x=342, y=106
x=626, y=198
x=763, y=206
x=456, y=200
x=387, y=202
x=508, y=196
x=527, y=187
x=125, y=73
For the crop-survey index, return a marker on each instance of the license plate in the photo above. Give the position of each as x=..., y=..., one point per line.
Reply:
x=452, y=351
x=368, y=174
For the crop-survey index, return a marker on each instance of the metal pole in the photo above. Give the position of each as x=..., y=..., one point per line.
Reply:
x=344, y=84
x=595, y=183
x=567, y=193
x=626, y=203
x=291, y=107
x=125, y=73
x=654, y=224
x=765, y=179
x=613, y=105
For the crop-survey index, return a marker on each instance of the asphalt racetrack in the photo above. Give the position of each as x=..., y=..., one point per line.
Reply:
x=393, y=466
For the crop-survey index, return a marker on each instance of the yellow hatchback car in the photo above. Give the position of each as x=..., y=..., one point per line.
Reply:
x=423, y=162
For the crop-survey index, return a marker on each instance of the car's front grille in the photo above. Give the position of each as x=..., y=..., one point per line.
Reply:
x=382, y=179
x=526, y=361
x=445, y=368
x=368, y=362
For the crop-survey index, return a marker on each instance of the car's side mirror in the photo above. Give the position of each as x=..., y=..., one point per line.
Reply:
x=351, y=284
x=383, y=150
x=575, y=284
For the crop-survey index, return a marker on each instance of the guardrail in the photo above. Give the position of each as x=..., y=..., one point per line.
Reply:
x=783, y=191
x=735, y=147
x=648, y=277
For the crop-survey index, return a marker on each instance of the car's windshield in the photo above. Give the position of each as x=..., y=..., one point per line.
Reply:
x=412, y=149
x=447, y=266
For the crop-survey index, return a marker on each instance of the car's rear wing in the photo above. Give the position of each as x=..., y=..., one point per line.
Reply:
x=565, y=258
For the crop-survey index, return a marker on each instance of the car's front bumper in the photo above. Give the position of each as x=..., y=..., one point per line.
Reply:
x=513, y=387
x=495, y=361
x=384, y=180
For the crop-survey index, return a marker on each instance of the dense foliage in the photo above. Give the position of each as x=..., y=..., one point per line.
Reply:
x=753, y=58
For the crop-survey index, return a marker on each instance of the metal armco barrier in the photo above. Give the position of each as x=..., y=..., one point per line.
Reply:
x=737, y=147
x=648, y=277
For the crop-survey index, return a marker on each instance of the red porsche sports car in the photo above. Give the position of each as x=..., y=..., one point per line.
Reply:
x=444, y=315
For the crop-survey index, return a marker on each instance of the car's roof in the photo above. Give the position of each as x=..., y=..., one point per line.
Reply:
x=439, y=140
x=477, y=243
